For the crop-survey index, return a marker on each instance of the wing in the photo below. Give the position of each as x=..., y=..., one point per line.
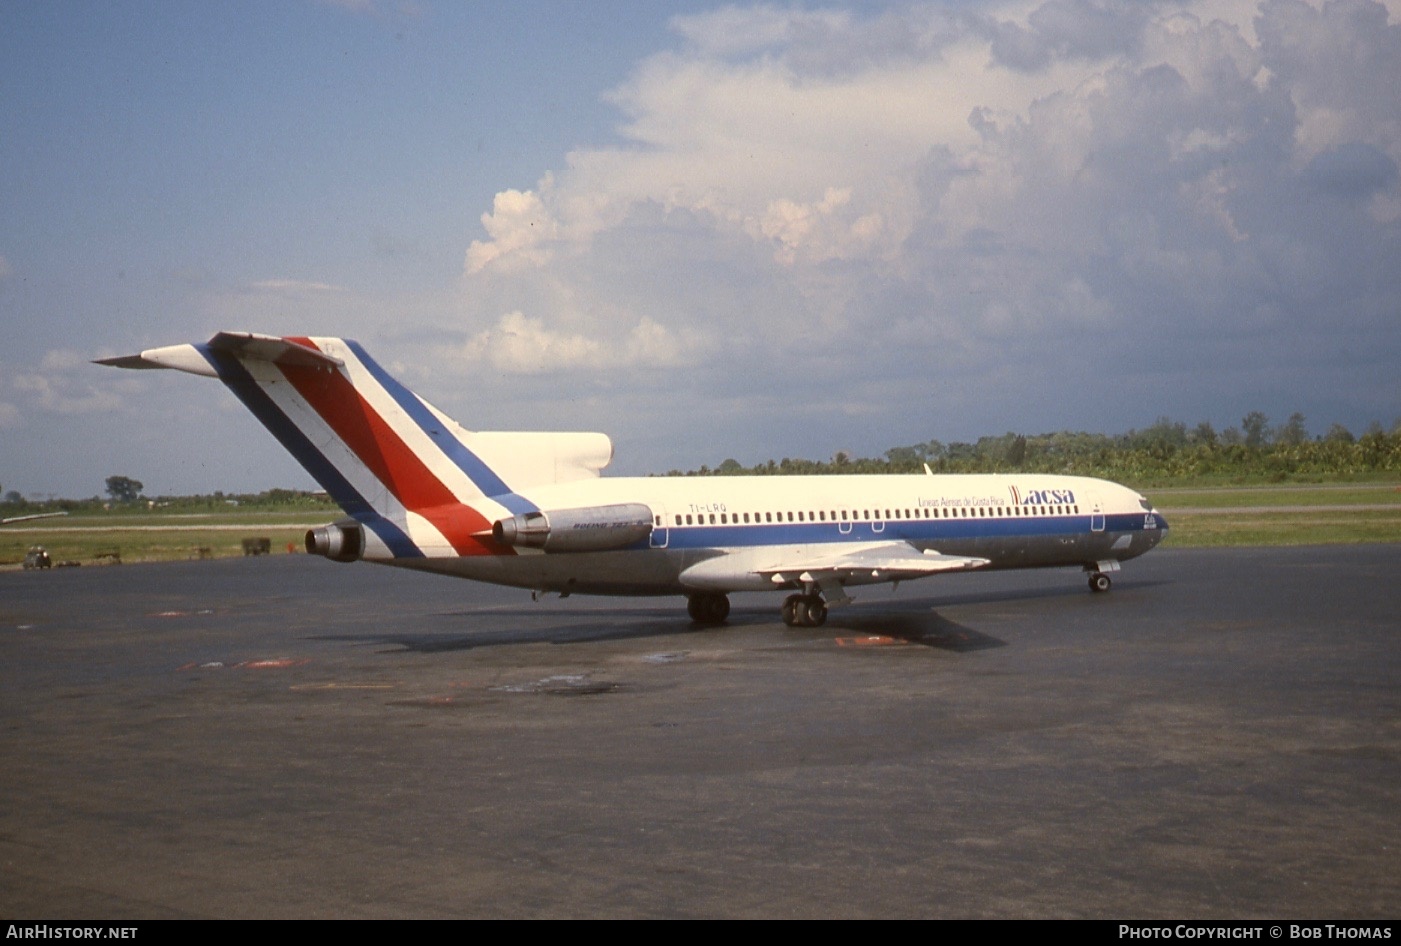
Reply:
x=876, y=561
x=828, y=567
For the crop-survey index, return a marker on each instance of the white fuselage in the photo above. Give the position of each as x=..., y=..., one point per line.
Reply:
x=751, y=523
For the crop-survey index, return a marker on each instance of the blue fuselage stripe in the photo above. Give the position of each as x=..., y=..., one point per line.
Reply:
x=895, y=530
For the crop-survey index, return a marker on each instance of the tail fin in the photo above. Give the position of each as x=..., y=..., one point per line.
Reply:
x=415, y=479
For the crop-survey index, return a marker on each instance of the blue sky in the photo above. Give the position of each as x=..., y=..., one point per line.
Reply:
x=709, y=231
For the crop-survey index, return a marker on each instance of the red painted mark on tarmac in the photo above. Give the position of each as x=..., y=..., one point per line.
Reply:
x=875, y=640
x=246, y=665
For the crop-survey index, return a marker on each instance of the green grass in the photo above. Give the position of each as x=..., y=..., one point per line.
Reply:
x=1323, y=527
x=143, y=517
x=137, y=545
x=1229, y=497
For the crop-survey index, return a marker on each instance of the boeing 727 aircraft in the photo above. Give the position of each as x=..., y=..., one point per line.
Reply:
x=530, y=509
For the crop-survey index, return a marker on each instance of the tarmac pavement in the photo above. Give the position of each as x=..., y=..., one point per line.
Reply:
x=1218, y=737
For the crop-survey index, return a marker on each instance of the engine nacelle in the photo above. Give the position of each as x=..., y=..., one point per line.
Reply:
x=590, y=529
x=343, y=542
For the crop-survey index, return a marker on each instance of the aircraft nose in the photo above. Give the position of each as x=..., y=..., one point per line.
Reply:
x=1161, y=531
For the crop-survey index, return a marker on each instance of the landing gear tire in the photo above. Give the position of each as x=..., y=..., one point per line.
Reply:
x=708, y=608
x=804, y=611
x=1099, y=583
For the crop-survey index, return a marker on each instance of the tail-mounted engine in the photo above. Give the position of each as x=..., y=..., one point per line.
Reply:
x=342, y=542
x=591, y=529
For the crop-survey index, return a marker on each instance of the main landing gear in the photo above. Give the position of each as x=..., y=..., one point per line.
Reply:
x=804, y=611
x=713, y=607
x=708, y=607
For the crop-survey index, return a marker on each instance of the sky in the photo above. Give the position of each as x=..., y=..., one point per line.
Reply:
x=710, y=231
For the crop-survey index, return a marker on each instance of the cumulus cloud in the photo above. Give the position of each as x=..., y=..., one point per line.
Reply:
x=1069, y=29
x=519, y=344
x=982, y=204
x=63, y=385
x=520, y=229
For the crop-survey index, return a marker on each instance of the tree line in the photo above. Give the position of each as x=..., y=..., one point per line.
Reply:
x=1167, y=450
x=125, y=494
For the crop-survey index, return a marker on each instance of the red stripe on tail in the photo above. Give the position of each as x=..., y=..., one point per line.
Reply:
x=389, y=458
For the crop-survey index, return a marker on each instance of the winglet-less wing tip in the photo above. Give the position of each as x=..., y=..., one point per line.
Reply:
x=126, y=361
x=189, y=358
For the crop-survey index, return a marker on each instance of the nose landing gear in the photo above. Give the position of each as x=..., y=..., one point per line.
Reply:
x=1098, y=573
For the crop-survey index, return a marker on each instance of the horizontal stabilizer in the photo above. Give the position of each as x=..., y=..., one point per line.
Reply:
x=282, y=351
x=245, y=346
x=187, y=358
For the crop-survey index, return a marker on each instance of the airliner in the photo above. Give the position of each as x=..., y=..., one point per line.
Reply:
x=530, y=509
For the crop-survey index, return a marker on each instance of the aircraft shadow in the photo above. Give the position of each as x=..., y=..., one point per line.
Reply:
x=594, y=626
x=913, y=622
x=926, y=628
